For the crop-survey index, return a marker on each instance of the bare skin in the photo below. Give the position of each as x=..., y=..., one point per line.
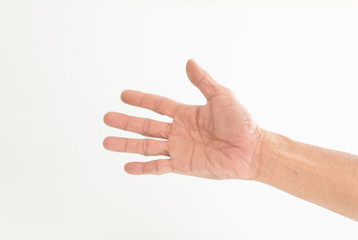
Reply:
x=221, y=140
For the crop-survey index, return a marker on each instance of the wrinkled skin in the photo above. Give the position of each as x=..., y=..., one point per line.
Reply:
x=219, y=140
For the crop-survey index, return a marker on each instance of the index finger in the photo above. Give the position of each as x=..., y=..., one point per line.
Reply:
x=156, y=103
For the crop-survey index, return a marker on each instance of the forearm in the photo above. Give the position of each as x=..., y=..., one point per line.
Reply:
x=325, y=177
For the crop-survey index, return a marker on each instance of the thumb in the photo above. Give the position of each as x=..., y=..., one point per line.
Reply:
x=201, y=79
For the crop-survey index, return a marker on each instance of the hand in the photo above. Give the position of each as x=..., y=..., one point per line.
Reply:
x=219, y=140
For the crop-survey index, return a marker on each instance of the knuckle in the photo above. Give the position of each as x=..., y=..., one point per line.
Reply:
x=146, y=126
x=145, y=147
x=158, y=105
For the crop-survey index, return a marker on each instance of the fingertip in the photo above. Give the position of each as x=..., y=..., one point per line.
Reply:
x=134, y=168
x=105, y=142
x=189, y=64
x=112, y=118
x=190, y=60
x=107, y=117
x=124, y=94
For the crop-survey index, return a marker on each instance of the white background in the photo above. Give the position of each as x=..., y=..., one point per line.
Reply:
x=63, y=65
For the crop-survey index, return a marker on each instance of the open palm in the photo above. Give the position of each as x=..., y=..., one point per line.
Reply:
x=219, y=140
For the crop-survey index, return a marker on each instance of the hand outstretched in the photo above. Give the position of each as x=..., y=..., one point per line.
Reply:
x=219, y=140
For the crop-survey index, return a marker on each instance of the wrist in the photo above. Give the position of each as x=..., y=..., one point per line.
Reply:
x=266, y=144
